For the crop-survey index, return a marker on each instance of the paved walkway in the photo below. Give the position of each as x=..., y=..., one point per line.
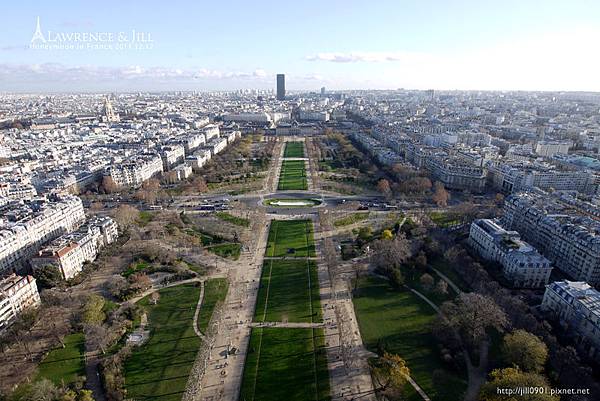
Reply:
x=289, y=325
x=195, y=323
x=92, y=375
x=222, y=378
x=446, y=279
x=347, y=358
x=424, y=298
x=160, y=287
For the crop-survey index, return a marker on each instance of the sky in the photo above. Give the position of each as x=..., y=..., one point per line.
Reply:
x=340, y=44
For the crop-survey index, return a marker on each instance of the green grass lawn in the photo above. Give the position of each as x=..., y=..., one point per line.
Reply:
x=285, y=293
x=444, y=219
x=64, y=365
x=135, y=267
x=238, y=221
x=351, y=219
x=292, y=176
x=227, y=250
x=215, y=290
x=293, y=149
x=145, y=217
x=443, y=266
x=286, y=364
x=400, y=321
x=205, y=238
x=216, y=244
x=159, y=369
x=291, y=238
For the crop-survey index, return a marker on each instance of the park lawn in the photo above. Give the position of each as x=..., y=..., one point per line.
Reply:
x=136, y=267
x=286, y=364
x=291, y=238
x=230, y=250
x=205, y=238
x=444, y=219
x=144, y=218
x=351, y=219
x=159, y=369
x=292, y=176
x=215, y=291
x=400, y=322
x=444, y=266
x=64, y=365
x=238, y=221
x=293, y=149
x=289, y=292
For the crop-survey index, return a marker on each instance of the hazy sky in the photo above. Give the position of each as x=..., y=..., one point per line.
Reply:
x=214, y=45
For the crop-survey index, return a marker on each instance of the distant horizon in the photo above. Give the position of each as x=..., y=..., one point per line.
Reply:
x=67, y=46
x=290, y=91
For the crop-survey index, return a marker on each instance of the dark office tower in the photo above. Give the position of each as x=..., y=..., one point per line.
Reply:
x=280, y=86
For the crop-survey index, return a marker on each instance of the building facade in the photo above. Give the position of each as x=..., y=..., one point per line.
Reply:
x=521, y=263
x=576, y=305
x=25, y=229
x=133, y=172
x=17, y=293
x=570, y=241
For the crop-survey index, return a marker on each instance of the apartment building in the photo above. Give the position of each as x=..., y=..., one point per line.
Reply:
x=17, y=293
x=550, y=148
x=216, y=145
x=232, y=136
x=69, y=252
x=180, y=173
x=571, y=241
x=456, y=173
x=521, y=263
x=198, y=159
x=171, y=155
x=136, y=169
x=25, y=228
x=211, y=131
x=576, y=305
x=516, y=177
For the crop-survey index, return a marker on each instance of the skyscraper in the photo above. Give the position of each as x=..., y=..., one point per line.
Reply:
x=280, y=86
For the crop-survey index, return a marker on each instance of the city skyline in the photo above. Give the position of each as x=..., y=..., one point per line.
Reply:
x=205, y=47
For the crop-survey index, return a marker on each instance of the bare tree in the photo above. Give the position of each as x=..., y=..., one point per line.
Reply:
x=391, y=253
x=440, y=195
x=427, y=281
x=126, y=215
x=97, y=337
x=469, y=321
x=109, y=185
x=383, y=186
x=441, y=287
x=154, y=297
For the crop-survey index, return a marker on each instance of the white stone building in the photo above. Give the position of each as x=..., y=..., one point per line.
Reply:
x=216, y=145
x=69, y=252
x=171, y=155
x=17, y=293
x=25, y=229
x=135, y=170
x=576, y=305
x=521, y=263
x=570, y=241
x=198, y=159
